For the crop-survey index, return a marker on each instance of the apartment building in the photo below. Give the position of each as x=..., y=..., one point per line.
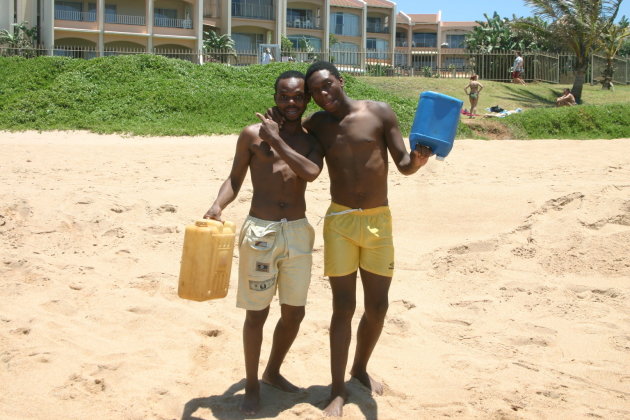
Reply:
x=102, y=25
x=424, y=40
x=375, y=27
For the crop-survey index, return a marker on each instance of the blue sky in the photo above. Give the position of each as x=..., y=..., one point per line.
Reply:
x=471, y=10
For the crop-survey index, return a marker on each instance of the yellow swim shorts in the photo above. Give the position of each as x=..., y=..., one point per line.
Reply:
x=356, y=238
x=274, y=255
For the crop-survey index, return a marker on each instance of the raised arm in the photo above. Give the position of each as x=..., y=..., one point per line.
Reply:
x=232, y=185
x=407, y=163
x=306, y=167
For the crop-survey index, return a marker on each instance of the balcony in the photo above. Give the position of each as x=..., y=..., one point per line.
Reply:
x=252, y=11
x=377, y=28
x=124, y=19
x=302, y=23
x=173, y=23
x=91, y=17
x=75, y=15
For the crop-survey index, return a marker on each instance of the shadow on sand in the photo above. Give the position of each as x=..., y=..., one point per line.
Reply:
x=274, y=402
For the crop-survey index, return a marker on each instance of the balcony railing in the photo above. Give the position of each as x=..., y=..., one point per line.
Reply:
x=75, y=15
x=252, y=11
x=377, y=29
x=302, y=23
x=91, y=17
x=124, y=19
x=173, y=23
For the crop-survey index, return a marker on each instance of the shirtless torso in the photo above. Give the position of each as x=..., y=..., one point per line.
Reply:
x=278, y=190
x=356, y=154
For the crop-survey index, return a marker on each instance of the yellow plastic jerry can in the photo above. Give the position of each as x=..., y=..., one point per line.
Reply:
x=206, y=260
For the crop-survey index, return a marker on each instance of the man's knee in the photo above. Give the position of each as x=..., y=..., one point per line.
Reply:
x=377, y=310
x=254, y=319
x=344, y=307
x=292, y=315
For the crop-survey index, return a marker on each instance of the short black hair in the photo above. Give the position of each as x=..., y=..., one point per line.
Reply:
x=290, y=74
x=322, y=65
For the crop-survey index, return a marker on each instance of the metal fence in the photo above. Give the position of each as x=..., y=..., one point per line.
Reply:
x=543, y=67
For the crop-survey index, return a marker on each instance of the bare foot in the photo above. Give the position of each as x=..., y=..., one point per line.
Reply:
x=368, y=382
x=251, y=401
x=280, y=382
x=335, y=407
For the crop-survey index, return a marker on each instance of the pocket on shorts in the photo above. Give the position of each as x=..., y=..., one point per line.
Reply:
x=259, y=244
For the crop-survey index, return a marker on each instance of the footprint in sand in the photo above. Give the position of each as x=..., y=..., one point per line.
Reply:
x=211, y=332
x=160, y=230
x=167, y=208
x=621, y=342
x=78, y=385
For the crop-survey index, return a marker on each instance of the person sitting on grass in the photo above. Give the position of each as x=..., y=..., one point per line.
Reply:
x=567, y=98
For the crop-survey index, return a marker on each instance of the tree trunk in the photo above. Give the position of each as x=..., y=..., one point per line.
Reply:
x=580, y=76
x=608, y=75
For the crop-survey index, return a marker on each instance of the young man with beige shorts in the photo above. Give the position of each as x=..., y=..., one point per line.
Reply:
x=276, y=240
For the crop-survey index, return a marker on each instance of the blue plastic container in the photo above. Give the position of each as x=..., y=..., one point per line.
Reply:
x=435, y=123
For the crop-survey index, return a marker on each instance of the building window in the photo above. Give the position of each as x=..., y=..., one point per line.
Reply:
x=298, y=42
x=456, y=41
x=300, y=18
x=247, y=42
x=110, y=12
x=253, y=9
x=375, y=25
x=345, y=53
x=426, y=40
x=401, y=39
x=69, y=10
x=377, y=48
x=345, y=24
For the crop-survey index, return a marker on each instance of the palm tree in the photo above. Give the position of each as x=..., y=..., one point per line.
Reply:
x=579, y=24
x=219, y=46
x=613, y=41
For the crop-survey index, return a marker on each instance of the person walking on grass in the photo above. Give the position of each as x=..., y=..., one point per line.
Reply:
x=518, y=68
x=356, y=137
x=472, y=89
x=276, y=240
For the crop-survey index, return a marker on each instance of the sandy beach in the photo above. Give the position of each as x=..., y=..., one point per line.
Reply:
x=511, y=297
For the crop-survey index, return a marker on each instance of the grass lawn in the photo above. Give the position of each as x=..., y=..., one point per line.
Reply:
x=155, y=96
x=601, y=115
x=506, y=95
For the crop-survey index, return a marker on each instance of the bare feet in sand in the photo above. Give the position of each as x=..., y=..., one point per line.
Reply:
x=251, y=401
x=368, y=382
x=335, y=407
x=280, y=382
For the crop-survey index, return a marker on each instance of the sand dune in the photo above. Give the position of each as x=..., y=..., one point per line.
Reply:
x=510, y=299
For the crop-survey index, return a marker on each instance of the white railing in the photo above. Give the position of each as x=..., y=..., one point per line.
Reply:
x=75, y=15
x=173, y=23
x=124, y=19
x=302, y=23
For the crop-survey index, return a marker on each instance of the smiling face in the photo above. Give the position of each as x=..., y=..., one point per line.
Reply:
x=326, y=90
x=291, y=98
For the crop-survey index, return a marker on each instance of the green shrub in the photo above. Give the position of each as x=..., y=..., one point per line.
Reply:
x=148, y=95
x=576, y=122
